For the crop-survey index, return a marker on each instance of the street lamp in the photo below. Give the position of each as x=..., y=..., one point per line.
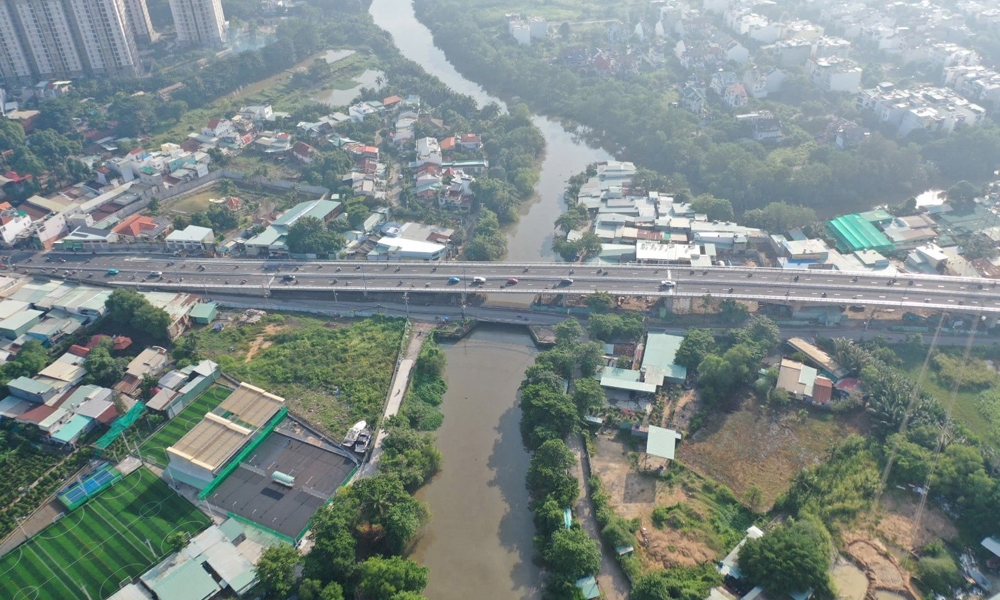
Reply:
x=406, y=299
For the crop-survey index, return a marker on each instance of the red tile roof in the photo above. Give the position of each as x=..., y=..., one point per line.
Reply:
x=471, y=138
x=78, y=350
x=135, y=225
x=95, y=339
x=447, y=143
x=391, y=100
x=302, y=149
x=213, y=123
x=121, y=342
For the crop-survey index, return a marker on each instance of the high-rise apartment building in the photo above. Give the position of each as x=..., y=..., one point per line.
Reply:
x=199, y=22
x=57, y=39
x=14, y=61
x=139, y=22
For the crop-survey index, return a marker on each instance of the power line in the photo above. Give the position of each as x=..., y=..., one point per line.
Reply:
x=914, y=396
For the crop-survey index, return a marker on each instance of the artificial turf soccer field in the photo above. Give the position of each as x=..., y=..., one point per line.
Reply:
x=101, y=545
x=155, y=448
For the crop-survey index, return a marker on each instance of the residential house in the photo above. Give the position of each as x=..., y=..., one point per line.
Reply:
x=428, y=151
x=835, y=74
x=804, y=382
x=693, y=98
x=272, y=240
x=138, y=227
x=88, y=239
x=721, y=80
x=256, y=114
x=303, y=152
x=765, y=127
x=150, y=361
x=735, y=96
x=470, y=141
x=13, y=222
x=391, y=102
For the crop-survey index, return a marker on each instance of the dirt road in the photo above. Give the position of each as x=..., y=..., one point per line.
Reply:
x=614, y=585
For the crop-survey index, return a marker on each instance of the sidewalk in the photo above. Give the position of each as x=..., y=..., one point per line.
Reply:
x=614, y=585
x=400, y=381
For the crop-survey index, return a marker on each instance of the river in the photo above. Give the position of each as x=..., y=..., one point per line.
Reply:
x=479, y=541
x=530, y=239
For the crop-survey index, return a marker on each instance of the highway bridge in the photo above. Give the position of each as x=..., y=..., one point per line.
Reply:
x=264, y=278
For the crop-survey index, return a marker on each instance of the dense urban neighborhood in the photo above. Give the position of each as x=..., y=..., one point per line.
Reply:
x=401, y=299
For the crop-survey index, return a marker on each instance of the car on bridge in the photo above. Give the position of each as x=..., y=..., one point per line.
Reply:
x=453, y=280
x=566, y=281
x=666, y=284
x=156, y=274
x=512, y=281
x=113, y=271
x=288, y=278
x=478, y=280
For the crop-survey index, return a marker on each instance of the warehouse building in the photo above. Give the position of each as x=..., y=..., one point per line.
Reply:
x=198, y=457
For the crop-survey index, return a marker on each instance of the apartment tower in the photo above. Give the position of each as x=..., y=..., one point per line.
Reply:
x=199, y=22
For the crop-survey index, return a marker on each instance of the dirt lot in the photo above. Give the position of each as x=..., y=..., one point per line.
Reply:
x=259, y=343
x=880, y=567
x=636, y=495
x=756, y=445
x=899, y=510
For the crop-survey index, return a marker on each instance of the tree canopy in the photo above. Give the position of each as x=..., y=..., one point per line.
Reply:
x=130, y=310
x=309, y=235
x=390, y=578
x=791, y=557
x=276, y=570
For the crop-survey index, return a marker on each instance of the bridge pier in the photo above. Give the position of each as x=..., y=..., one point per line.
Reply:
x=667, y=306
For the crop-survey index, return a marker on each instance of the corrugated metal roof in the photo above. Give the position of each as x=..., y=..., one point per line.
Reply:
x=211, y=442
x=661, y=442
x=21, y=319
x=252, y=405
x=203, y=310
x=855, y=233
x=72, y=429
x=658, y=357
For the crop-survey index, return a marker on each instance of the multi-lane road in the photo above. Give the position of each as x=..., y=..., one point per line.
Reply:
x=259, y=278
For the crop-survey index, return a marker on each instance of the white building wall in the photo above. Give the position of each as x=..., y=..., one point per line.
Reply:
x=48, y=33
x=108, y=43
x=199, y=21
x=14, y=62
x=138, y=21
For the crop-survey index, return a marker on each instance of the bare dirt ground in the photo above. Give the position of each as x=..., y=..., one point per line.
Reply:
x=899, y=512
x=635, y=495
x=260, y=343
x=682, y=411
x=881, y=567
x=755, y=445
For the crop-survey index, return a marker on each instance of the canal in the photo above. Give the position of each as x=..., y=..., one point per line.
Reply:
x=479, y=541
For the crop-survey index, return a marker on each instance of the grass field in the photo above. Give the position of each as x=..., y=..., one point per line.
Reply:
x=155, y=448
x=89, y=553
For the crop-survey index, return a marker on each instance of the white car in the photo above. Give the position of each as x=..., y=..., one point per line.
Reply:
x=478, y=280
x=666, y=284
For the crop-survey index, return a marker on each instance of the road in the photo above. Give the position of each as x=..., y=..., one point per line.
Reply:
x=267, y=278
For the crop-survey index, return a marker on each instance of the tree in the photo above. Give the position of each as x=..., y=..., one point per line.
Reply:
x=939, y=574
x=679, y=583
x=134, y=114
x=389, y=578
x=332, y=557
x=488, y=242
x=589, y=356
x=130, y=309
x=11, y=134
x=313, y=589
x=697, y=344
x=789, y=558
x=549, y=476
x=599, y=301
x=588, y=395
x=733, y=312
x=568, y=332
x=102, y=368
x=177, y=541
x=778, y=217
x=383, y=502
x=148, y=385
x=30, y=359
x=276, y=570
x=572, y=554
x=716, y=209
x=308, y=235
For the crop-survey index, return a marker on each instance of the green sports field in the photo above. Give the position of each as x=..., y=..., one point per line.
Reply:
x=91, y=552
x=155, y=448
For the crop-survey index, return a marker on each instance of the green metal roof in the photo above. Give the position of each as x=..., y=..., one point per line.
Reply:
x=29, y=385
x=203, y=310
x=189, y=581
x=318, y=209
x=854, y=233
x=658, y=358
x=588, y=585
x=69, y=432
x=661, y=442
x=877, y=216
x=25, y=317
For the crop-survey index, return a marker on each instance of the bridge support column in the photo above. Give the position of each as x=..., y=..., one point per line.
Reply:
x=365, y=292
x=564, y=302
x=666, y=306
x=464, y=297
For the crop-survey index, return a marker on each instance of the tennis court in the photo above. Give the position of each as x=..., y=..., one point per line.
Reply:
x=90, y=553
x=155, y=448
